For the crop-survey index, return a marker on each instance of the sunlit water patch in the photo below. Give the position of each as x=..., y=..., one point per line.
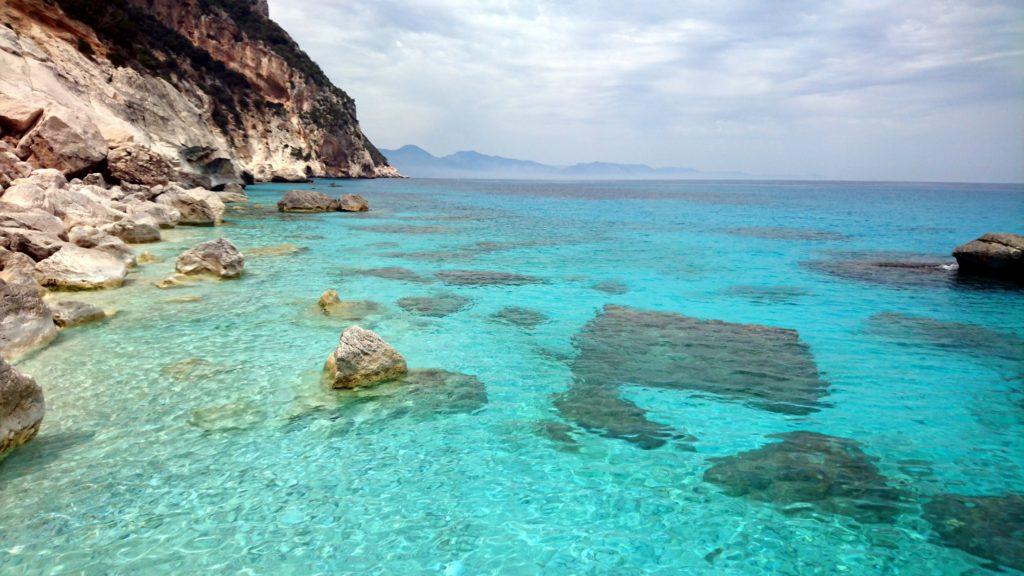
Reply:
x=607, y=378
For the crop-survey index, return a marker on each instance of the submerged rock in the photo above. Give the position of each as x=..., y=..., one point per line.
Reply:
x=76, y=268
x=139, y=165
x=768, y=294
x=611, y=287
x=306, y=201
x=990, y=527
x=765, y=367
x=362, y=358
x=286, y=249
x=26, y=322
x=521, y=317
x=558, y=433
x=833, y=475
x=389, y=273
x=431, y=392
x=998, y=255
x=216, y=257
x=485, y=278
x=953, y=336
x=353, y=203
x=232, y=416
x=435, y=305
x=192, y=370
x=894, y=270
x=68, y=313
x=785, y=233
x=21, y=408
x=603, y=411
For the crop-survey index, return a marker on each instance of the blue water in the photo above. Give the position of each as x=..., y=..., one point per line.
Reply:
x=190, y=433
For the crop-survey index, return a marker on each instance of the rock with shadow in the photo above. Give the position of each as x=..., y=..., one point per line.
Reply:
x=993, y=255
x=829, y=474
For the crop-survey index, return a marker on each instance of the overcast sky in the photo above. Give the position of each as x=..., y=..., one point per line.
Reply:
x=859, y=89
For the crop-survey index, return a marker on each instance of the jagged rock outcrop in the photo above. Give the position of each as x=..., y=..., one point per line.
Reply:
x=212, y=86
x=363, y=358
x=21, y=408
x=139, y=165
x=1000, y=255
x=217, y=257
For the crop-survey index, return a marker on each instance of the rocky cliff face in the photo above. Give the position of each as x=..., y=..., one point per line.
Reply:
x=212, y=85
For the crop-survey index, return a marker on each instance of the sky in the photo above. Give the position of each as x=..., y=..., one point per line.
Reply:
x=926, y=90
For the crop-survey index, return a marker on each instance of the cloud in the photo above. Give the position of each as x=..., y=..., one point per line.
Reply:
x=848, y=89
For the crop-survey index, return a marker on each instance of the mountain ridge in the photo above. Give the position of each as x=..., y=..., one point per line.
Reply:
x=414, y=161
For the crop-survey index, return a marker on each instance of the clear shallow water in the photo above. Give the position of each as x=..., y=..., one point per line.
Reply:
x=186, y=436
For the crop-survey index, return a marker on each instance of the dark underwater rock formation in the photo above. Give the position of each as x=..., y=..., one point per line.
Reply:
x=486, y=278
x=990, y=527
x=436, y=305
x=888, y=269
x=519, y=316
x=611, y=287
x=768, y=294
x=764, y=367
x=786, y=233
x=833, y=475
x=959, y=337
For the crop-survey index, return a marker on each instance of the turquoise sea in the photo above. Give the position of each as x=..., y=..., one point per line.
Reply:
x=191, y=433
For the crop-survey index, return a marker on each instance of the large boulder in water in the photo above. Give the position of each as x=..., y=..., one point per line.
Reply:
x=139, y=165
x=21, y=408
x=62, y=142
x=353, y=203
x=196, y=207
x=68, y=313
x=306, y=201
x=363, y=358
x=217, y=257
x=26, y=322
x=1000, y=255
x=77, y=268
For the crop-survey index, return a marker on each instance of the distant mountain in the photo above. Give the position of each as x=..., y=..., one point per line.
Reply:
x=416, y=162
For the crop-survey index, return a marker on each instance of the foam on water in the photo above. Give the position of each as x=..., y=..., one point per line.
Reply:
x=191, y=433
